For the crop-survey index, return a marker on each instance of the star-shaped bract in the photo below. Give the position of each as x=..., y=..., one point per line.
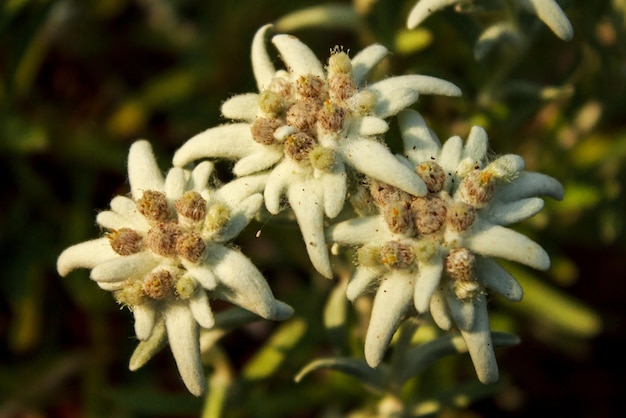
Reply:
x=311, y=126
x=434, y=252
x=166, y=252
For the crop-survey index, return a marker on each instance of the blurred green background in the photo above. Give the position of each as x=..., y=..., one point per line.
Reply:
x=81, y=80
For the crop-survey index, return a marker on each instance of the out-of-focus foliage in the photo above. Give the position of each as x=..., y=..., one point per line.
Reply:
x=80, y=80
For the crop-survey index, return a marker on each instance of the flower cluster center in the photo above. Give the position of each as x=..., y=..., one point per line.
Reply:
x=175, y=235
x=296, y=113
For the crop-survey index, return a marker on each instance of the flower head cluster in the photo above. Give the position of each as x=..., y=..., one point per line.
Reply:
x=309, y=127
x=164, y=254
x=433, y=252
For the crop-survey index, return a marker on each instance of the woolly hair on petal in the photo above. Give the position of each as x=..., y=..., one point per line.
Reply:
x=203, y=274
x=422, y=84
x=361, y=280
x=359, y=231
x=258, y=162
x=439, y=310
x=145, y=318
x=390, y=304
x=113, y=220
x=335, y=189
x=365, y=61
x=87, y=255
x=513, y=212
x=123, y=267
x=276, y=184
x=241, y=107
x=530, y=184
x=428, y=278
x=477, y=144
x=240, y=218
x=143, y=171
x=175, y=183
x=182, y=332
x=236, y=191
x=370, y=125
x=232, y=141
x=374, y=160
x=201, y=309
x=497, y=241
x=241, y=282
x=498, y=279
x=463, y=312
x=306, y=201
x=390, y=102
x=262, y=65
x=450, y=156
x=420, y=142
x=480, y=346
x=298, y=57
x=200, y=176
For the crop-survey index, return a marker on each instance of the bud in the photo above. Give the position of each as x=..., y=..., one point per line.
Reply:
x=125, y=241
x=310, y=86
x=217, y=216
x=131, y=294
x=158, y=284
x=303, y=114
x=185, y=286
x=271, y=103
x=298, y=146
x=460, y=264
x=398, y=218
x=432, y=174
x=161, y=239
x=190, y=247
x=396, y=255
x=153, y=206
x=429, y=214
x=331, y=117
x=262, y=130
x=478, y=188
x=368, y=256
x=322, y=158
x=461, y=216
x=341, y=86
x=383, y=193
x=191, y=205
x=339, y=62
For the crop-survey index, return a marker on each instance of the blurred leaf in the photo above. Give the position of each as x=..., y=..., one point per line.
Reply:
x=274, y=351
x=219, y=383
x=459, y=397
x=578, y=197
x=147, y=349
x=422, y=356
x=328, y=16
x=153, y=401
x=375, y=379
x=21, y=136
x=335, y=313
x=409, y=42
x=553, y=307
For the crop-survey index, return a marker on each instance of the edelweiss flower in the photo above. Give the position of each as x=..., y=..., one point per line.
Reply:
x=433, y=251
x=308, y=125
x=547, y=10
x=164, y=254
